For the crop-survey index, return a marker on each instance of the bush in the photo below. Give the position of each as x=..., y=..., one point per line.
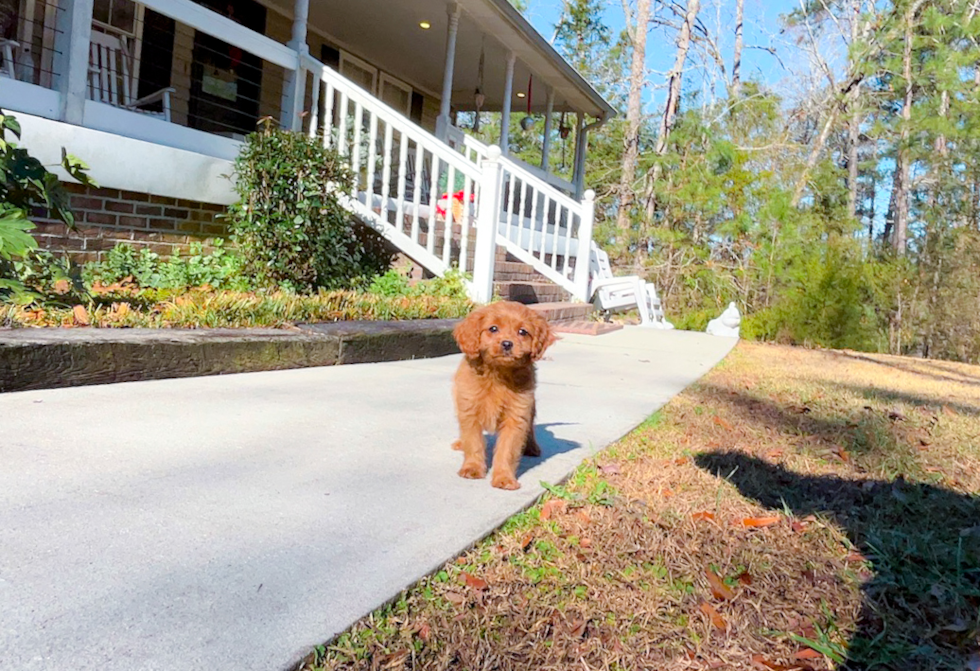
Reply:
x=289, y=225
x=26, y=183
x=220, y=268
x=394, y=283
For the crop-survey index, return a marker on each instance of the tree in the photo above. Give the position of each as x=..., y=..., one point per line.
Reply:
x=637, y=26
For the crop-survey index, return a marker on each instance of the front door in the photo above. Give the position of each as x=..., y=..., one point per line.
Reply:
x=226, y=83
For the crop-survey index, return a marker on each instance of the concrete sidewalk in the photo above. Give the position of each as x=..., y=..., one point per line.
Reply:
x=234, y=522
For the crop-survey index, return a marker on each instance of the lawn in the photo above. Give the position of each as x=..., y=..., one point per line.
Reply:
x=796, y=509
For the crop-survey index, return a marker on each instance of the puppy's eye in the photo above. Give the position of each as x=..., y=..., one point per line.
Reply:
x=523, y=332
x=493, y=329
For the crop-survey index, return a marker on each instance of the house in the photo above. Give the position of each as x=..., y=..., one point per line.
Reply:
x=157, y=96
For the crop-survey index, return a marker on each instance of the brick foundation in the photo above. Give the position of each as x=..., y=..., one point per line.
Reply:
x=107, y=217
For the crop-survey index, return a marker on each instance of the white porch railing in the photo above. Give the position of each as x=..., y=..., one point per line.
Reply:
x=434, y=202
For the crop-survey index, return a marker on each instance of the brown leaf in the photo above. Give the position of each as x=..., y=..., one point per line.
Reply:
x=680, y=461
x=761, y=662
x=755, y=522
x=808, y=653
x=425, y=632
x=612, y=468
x=697, y=517
x=718, y=587
x=576, y=629
x=775, y=454
x=797, y=527
x=81, y=315
x=722, y=423
x=586, y=542
x=455, y=598
x=61, y=287
x=716, y=619
x=526, y=542
x=855, y=556
x=474, y=582
x=552, y=507
x=583, y=516
x=745, y=578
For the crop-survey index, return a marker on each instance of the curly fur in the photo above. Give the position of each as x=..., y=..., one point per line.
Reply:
x=494, y=388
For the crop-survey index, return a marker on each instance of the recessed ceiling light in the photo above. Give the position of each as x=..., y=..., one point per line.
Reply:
x=521, y=94
x=424, y=25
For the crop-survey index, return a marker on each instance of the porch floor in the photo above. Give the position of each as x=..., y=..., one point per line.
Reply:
x=237, y=521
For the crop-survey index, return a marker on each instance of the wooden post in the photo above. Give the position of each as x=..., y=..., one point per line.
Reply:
x=72, y=40
x=486, y=230
x=584, y=260
x=546, y=144
x=445, y=105
x=505, y=112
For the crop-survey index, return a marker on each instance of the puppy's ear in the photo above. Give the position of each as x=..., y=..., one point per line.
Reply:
x=467, y=333
x=543, y=336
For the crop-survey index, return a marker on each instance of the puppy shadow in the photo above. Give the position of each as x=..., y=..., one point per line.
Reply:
x=550, y=445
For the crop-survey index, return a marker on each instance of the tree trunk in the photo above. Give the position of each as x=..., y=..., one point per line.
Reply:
x=854, y=127
x=901, y=194
x=634, y=112
x=737, y=54
x=674, y=79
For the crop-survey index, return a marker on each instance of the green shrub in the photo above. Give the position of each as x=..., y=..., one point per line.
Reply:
x=289, y=224
x=220, y=268
x=394, y=283
x=27, y=183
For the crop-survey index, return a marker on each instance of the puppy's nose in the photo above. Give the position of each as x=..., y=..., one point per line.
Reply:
x=507, y=345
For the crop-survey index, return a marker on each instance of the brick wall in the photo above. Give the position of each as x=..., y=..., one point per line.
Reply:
x=107, y=217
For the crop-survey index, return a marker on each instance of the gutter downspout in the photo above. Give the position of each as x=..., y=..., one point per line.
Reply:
x=583, y=144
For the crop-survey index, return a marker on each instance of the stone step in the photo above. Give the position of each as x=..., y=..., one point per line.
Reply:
x=559, y=312
x=530, y=292
x=586, y=327
x=515, y=271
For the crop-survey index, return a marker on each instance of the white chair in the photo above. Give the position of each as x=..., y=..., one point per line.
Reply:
x=610, y=293
x=7, y=49
x=112, y=77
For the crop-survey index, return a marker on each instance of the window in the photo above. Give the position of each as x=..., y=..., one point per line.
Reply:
x=396, y=94
x=359, y=72
x=118, y=14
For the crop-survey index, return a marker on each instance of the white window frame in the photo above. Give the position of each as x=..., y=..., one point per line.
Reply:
x=398, y=84
x=346, y=57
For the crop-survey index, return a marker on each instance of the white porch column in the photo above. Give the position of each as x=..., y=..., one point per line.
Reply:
x=581, y=145
x=505, y=112
x=546, y=145
x=74, y=33
x=445, y=105
x=584, y=257
x=294, y=83
x=488, y=219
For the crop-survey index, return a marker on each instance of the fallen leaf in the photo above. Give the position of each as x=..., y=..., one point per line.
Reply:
x=61, y=287
x=855, y=557
x=680, y=461
x=755, y=522
x=775, y=454
x=583, y=516
x=551, y=507
x=577, y=629
x=716, y=619
x=762, y=662
x=474, y=582
x=808, y=653
x=745, y=578
x=586, y=542
x=697, y=517
x=722, y=423
x=526, y=542
x=81, y=315
x=718, y=587
x=425, y=632
x=797, y=527
x=456, y=598
x=460, y=560
x=611, y=468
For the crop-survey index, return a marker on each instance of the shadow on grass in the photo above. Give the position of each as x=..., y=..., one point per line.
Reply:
x=921, y=607
x=934, y=370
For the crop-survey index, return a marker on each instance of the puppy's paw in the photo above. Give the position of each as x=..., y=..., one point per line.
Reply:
x=458, y=445
x=505, y=482
x=473, y=471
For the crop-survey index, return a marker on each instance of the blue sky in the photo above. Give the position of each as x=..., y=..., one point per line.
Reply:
x=761, y=28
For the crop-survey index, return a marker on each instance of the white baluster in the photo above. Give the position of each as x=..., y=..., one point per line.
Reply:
x=386, y=173
x=402, y=167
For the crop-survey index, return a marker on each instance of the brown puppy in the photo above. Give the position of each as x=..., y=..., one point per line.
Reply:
x=494, y=388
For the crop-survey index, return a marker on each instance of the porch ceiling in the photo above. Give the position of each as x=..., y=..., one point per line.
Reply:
x=387, y=33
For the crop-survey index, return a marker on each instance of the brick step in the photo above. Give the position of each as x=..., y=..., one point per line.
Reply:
x=558, y=313
x=585, y=327
x=530, y=292
x=515, y=271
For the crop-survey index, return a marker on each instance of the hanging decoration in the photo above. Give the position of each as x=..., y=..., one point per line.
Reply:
x=478, y=96
x=528, y=121
x=563, y=131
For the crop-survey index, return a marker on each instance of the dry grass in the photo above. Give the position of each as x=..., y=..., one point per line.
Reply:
x=207, y=308
x=795, y=510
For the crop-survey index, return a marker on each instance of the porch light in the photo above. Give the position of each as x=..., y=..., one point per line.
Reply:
x=521, y=94
x=424, y=25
